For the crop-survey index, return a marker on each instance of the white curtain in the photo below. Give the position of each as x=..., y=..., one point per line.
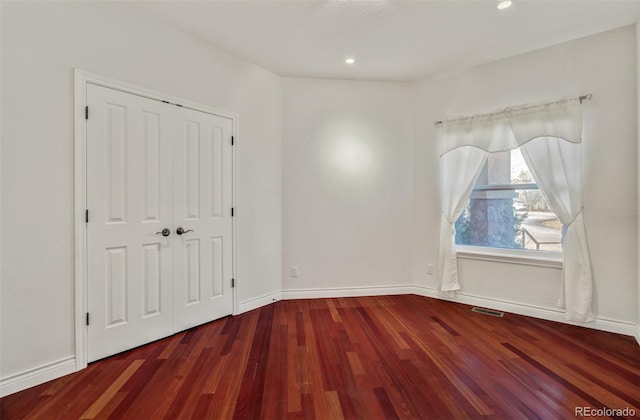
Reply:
x=459, y=170
x=549, y=137
x=556, y=167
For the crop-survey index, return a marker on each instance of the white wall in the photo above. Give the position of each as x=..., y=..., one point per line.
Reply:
x=347, y=183
x=41, y=44
x=604, y=65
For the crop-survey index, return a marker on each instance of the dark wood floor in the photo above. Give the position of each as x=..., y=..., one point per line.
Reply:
x=371, y=357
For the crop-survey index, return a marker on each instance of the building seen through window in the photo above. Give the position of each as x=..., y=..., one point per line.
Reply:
x=507, y=210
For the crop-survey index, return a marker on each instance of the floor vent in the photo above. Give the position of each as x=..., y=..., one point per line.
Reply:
x=488, y=312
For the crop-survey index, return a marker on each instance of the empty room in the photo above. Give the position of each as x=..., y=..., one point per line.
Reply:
x=319, y=209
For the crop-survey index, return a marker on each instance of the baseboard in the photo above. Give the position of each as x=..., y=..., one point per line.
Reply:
x=335, y=292
x=258, y=302
x=637, y=334
x=550, y=314
x=36, y=376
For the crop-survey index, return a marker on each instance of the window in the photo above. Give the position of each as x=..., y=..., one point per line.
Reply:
x=507, y=210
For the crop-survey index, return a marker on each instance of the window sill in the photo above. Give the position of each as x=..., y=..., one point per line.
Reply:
x=511, y=256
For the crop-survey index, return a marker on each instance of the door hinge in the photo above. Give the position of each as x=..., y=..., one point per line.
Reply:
x=233, y=283
x=232, y=141
x=86, y=216
x=232, y=211
x=86, y=112
x=87, y=318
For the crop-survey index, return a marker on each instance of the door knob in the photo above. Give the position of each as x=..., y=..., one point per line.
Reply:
x=180, y=231
x=164, y=232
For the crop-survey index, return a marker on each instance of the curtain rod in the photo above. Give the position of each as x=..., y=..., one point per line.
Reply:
x=581, y=98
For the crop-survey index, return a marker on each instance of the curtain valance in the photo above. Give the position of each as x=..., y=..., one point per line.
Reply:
x=512, y=127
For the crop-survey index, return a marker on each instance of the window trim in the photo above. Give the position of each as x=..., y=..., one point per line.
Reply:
x=548, y=259
x=502, y=187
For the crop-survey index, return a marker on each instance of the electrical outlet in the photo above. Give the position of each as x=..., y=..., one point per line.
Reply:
x=430, y=269
x=294, y=270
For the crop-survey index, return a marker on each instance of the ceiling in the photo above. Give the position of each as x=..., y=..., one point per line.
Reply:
x=390, y=39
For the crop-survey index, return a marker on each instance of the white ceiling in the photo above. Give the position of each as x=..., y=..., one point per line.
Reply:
x=390, y=39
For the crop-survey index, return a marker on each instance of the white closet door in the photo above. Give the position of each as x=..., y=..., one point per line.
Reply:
x=129, y=197
x=202, y=207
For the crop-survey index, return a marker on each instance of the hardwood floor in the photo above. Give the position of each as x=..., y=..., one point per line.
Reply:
x=372, y=357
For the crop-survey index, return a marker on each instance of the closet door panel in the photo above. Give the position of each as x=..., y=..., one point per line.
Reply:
x=202, y=208
x=129, y=198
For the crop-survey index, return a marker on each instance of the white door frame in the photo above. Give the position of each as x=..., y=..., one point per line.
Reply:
x=81, y=79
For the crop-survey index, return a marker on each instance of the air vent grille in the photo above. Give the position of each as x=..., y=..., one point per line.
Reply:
x=488, y=312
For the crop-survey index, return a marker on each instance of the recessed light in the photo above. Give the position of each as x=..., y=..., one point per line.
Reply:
x=504, y=4
x=350, y=61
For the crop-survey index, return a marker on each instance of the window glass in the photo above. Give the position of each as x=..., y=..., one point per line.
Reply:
x=507, y=210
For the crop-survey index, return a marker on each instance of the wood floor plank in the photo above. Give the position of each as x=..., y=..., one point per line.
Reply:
x=109, y=409
x=378, y=357
x=110, y=392
x=229, y=387
x=249, y=403
x=275, y=395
